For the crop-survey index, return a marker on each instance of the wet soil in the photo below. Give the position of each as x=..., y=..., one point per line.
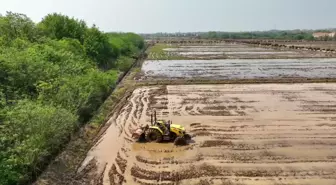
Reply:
x=285, y=136
x=239, y=51
x=240, y=69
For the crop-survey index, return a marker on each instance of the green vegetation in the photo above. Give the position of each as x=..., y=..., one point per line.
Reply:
x=157, y=52
x=54, y=75
x=274, y=34
x=285, y=35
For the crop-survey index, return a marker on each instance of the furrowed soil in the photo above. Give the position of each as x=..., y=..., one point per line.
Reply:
x=242, y=135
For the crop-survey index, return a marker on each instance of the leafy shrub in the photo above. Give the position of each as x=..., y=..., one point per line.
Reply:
x=124, y=63
x=30, y=132
x=54, y=76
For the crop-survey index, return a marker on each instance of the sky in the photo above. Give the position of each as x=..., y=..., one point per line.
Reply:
x=150, y=16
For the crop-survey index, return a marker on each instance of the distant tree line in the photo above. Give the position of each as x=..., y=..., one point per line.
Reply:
x=54, y=75
x=285, y=35
x=272, y=34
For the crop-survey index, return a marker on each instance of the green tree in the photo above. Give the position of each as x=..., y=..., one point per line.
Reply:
x=124, y=63
x=212, y=34
x=31, y=132
x=50, y=81
x=58, y=26
x=299, y=37
x=309, y=37
x=98, y=48
x=81, y=94
x=127, y=44
x=16, y=25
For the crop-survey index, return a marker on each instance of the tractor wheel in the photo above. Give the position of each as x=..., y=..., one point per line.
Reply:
x=187, y=137
x=153, y=135
x=142, y=138
x=180, y=141
x=172, y=136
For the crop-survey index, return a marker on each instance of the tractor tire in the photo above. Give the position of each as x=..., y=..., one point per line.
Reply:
x=187, y=137
x=180, y=141
x=153, y=135
x=172, y=136
x=142, y=138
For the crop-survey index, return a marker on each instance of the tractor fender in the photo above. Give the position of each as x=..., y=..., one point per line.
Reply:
x=157, y=128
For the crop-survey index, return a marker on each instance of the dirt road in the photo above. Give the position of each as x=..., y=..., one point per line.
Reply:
x=244, y=134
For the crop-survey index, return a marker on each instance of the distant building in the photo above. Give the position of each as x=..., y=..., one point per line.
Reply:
x=323, y=34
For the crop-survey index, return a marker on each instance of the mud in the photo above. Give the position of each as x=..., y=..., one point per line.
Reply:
x=239, y=54
x=215, y=49
x=274, y=134
x=316, y=44
x=328, y=48
x=247, y=134
x=201, y=53
x=240, y=69
x=237, y=51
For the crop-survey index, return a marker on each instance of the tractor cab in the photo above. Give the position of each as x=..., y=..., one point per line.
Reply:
x=164, y=126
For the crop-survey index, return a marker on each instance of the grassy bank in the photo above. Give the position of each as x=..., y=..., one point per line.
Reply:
x=157, y=52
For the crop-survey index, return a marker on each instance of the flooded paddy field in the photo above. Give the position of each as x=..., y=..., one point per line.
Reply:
x=240, y=68
x=242, y=135
x=223, y=48
x=207, y=55
x=233, y=51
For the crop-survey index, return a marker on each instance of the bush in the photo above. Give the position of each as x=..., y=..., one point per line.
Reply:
x=58, y=26
x=81, y=94
x=124, y=63
x=31, y=132
x=289, y=35
x=98, y=48
x=54, y=76
x=16, y=25
x=127, y=44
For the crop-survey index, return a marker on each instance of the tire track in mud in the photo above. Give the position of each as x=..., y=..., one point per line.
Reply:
x=119, y=144
x=261, y=145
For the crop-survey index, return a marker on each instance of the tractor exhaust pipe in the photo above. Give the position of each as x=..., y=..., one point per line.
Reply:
x=152, y=119
x=155, y=117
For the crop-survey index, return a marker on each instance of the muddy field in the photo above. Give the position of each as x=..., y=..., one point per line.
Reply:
x=240, y=69
x=315, y=44
x=243, y=135
x=231, y=51
x=238, y=51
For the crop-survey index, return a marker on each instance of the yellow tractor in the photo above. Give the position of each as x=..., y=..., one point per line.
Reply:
x=161, y=130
